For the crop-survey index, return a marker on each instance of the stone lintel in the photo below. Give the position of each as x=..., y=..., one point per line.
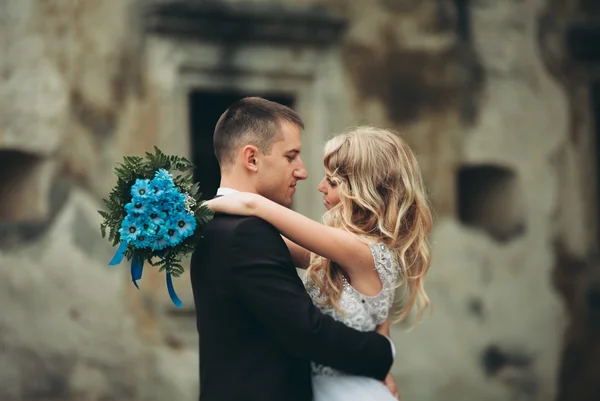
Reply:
x=239, y=23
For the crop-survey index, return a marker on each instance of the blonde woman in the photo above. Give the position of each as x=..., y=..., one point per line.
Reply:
x=373, y=242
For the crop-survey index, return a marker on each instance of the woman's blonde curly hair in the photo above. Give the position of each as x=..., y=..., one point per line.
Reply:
x=382, y=198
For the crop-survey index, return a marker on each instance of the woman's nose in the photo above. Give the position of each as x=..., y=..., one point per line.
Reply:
x=321, y=187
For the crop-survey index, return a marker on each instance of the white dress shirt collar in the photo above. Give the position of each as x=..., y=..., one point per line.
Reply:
x=226, y=191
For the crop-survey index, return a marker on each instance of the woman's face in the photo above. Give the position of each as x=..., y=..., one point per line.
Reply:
x=329, y=188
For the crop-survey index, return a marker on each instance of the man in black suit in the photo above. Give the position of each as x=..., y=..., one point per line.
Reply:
x=258, y=327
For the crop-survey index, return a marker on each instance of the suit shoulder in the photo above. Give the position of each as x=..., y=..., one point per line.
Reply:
x=254, y=222
x=249, y=236
x=244, y=224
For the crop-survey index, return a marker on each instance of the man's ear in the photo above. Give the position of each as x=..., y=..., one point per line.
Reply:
x=250, y=157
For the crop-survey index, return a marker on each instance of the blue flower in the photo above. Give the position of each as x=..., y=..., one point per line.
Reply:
x=159, y=244
x=172, y=237
x=135, y=207
x=141, y=189
x=174, y=196
x=186, y=224
x=158, y=189
x=163, y=180
x=157, y=216
x=174, y=202
x=142, y=241
x=163, y=174
x=149, y=228
x=130, y=229
x=168, y=209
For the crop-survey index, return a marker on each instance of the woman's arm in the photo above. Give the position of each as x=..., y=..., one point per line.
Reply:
x=353, y=255
x=300, y=256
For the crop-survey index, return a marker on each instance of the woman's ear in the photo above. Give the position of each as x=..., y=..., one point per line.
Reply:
x=250, y=157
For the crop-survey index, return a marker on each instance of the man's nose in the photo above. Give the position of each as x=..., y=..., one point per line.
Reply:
x=301, y=173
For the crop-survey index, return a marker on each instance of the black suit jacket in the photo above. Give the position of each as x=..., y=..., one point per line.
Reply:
x=258, y=327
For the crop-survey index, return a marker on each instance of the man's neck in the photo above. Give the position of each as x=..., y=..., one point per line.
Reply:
x=236, y=184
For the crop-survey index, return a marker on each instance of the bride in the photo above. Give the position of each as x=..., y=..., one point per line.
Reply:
x=373, y=242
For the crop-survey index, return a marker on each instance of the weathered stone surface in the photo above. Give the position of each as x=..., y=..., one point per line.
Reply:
x=488, y=300
x=33, y=94
x=496, y=329
x=68, y=330
x=65, y=320
x=469, y=84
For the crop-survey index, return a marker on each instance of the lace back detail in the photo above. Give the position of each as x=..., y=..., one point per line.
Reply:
x=386, y=265
x=361, y=312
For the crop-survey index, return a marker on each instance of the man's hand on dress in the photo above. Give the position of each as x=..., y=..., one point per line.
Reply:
x=390, y=383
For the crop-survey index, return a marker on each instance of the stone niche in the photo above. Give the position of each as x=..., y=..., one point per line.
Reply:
x=490, y=200
x=201, y=57
x=25, y=181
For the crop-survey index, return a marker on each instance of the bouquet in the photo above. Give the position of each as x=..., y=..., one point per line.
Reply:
x=153, y=216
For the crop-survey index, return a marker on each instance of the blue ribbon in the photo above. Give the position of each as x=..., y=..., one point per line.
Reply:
x=137, y=267
x=119, y=254
x=172, y=294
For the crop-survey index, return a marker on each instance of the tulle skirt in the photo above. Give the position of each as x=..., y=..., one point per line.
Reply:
x=349, y=388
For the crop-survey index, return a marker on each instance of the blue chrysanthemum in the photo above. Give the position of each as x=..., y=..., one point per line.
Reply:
x=136, y=207
x=157, y=216
x=159, y=243
x=149, y=228
x=130, y=229
x=186, y=224
x=157, y=188
x=169, y=210
x=163, y=174
x=141, y=189
x=163, y=179
x=142, y=241
x=172, y=236
x=173, y=204
x=173, y=196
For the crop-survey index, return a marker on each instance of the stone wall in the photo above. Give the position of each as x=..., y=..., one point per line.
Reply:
x=73, y=99
x=484, y=92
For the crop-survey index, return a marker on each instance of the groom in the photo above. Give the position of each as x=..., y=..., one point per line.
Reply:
x=258, y=327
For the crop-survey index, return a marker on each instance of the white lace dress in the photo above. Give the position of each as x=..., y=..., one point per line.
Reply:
x=363, y=313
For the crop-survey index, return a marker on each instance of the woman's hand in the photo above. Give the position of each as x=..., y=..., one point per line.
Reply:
x=239, y=203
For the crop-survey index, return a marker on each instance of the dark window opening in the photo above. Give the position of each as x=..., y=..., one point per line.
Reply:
x=490, y=200
x=463, y=19
x=595, y=106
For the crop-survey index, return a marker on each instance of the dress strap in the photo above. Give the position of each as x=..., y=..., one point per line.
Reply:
x=385, y=264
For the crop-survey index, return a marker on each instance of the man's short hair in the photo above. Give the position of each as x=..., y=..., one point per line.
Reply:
x=250, y=121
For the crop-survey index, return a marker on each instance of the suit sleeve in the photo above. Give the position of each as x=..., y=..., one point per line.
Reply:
x=264, y=277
